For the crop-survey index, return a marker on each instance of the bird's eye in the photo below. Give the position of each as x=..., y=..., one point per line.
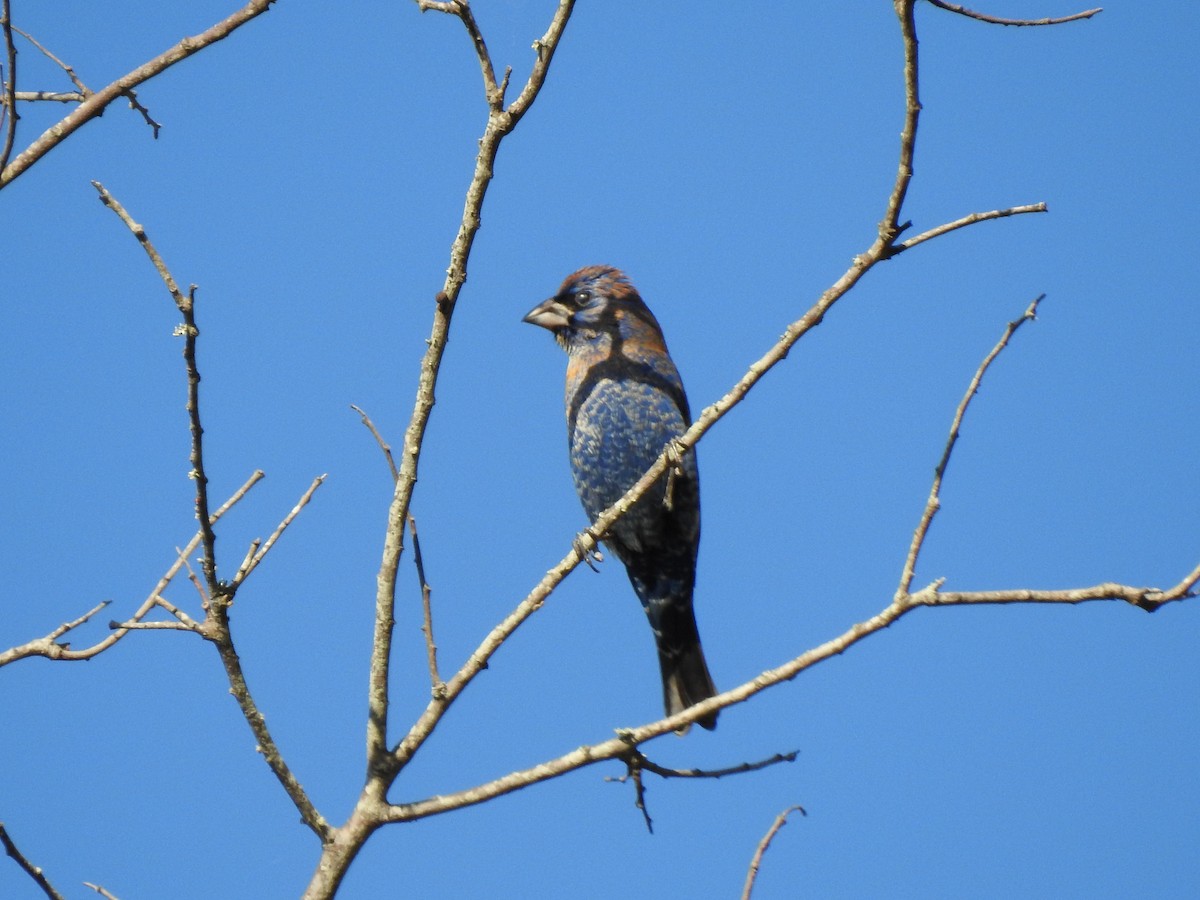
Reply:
x=582, y=297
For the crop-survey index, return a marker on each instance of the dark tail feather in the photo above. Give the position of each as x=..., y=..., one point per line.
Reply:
x=686, y=681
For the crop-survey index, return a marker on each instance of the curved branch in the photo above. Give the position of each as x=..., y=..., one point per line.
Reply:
x=996, y=20
x=95, y=104
x=934, y=503
x=761, y=849
x=461, y=9
x=966, y=220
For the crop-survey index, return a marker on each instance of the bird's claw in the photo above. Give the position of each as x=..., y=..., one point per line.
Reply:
x=587, y=554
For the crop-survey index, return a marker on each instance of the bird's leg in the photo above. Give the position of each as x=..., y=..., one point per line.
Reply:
x=674, y=470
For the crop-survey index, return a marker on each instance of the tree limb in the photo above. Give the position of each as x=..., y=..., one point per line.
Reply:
x=50, y=648
x=996, y=20
x=34, y=872
x=934, y=503
x=97, y=102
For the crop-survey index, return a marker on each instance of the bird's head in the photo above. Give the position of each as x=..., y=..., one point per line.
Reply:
x=594, y=303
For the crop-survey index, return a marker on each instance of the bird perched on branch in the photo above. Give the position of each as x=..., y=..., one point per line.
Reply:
x=625, y=403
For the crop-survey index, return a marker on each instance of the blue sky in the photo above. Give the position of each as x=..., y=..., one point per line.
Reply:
x=733, y=159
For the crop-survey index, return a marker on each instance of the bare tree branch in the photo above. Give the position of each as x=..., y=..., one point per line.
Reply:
x=970, y=219
x=48, y=96
x=99, y=889
x=637, y=762
x=8, y=103
x=740, y=769
x=216, y=629
x=996, y=20
x=462, y=10
x=761, y=849
x=49, y=647
x=882, y=248
x=257, y=555
x=890, y=228
x=500, y=123
x=83, y=89
x=97, y=102
x=435, y=679
x=934, y=503
x=436, y=682
x=383, y=445
x=190, y=332
x=618, y=747
x=134, y=103
x=34, y=872
x=217, y=596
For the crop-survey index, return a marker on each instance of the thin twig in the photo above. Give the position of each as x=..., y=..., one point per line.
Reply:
x=34, y=872
x=244, y=569
x=9, y=101
x=435, y=679
x=75, y=623
x=134, y=103
x=761, y=849
x=934, y=503
x=996, y=20
x=190, y=332
x=633, y=772
x=178, y=613
x=48, y=645
x=426, y=591
x=462, y=10
x=739, y=769
x=970, y=219
x=95, y=104
x=203, y=592
x=79, y=85
x=247, y=567
x=99, y=889
x=140, y=233
x=637, y=762
x=383, y=445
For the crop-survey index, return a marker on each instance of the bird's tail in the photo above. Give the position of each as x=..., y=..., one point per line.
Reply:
x=686, y=681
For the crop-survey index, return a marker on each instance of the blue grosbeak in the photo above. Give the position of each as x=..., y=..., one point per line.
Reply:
x=625, y=402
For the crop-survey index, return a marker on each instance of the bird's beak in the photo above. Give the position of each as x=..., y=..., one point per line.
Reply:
x=550, y=314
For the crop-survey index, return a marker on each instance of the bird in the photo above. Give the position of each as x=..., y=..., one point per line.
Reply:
x=625, y=403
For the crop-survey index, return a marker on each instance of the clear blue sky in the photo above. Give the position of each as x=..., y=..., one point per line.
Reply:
x=733, y=159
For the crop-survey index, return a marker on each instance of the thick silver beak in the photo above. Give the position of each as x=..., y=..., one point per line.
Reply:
x=549, y=314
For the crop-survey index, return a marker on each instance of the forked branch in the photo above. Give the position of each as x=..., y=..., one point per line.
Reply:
x=97, y=102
